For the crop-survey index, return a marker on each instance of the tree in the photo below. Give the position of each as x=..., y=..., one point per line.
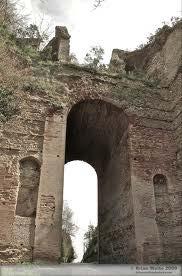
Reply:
x=30, y=32
x=88, y=236
x=73, y=58
x=98, y=3
x=94, y=57
x=67, y=249
x=90, y=245
x=67, y=220
x=9, y=15
x=69, y=230
x=16, y=23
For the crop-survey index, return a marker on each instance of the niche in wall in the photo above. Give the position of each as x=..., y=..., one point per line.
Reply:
x=28, y=189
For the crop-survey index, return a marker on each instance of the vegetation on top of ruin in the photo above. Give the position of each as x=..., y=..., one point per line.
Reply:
x=137, y=96
x=94, y=58
x=20, y=59
x=161, y=34
x=24, y=67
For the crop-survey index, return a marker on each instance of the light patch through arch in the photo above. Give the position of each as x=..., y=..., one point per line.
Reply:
x=80, y=191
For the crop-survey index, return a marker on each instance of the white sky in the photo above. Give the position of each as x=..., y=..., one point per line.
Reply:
x=122, y=24
x=80, y=191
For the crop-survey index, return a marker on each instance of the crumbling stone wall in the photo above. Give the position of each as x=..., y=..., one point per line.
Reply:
x=160, y=59
x=21, y=139
x=129, y=129
x=60, y=45
x=153, y=153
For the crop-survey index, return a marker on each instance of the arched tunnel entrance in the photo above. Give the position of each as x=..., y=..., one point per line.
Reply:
x=97, y=133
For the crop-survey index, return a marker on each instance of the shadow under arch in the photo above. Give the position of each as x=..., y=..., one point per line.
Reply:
x=97, y=133
x=32, y=159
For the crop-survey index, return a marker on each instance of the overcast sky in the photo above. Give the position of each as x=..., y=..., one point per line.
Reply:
x=122, y=24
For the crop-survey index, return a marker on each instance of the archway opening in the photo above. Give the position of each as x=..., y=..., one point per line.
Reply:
x=80, y=195
x=97, y=133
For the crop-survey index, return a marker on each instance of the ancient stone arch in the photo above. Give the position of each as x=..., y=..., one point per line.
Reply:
x=97, y=133
x=128, y=128
x=124, y=155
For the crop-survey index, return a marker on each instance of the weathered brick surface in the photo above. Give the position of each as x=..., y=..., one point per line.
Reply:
x=129, y=131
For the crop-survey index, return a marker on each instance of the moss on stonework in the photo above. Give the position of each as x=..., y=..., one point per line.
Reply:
x=54, y=92
x=137, y=95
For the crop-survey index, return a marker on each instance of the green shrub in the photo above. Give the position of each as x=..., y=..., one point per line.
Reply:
x=34, y=86
x=8, y=105
x=46, y=54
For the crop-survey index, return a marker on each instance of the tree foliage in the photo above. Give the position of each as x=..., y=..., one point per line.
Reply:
x=10, y=16
x=67, y=220
x=31, y=31
x=97, y=3
x=94, y=57
x=25, y=35
x=165, y=27
x=88, y=236
x=90, y=245
x=69, y=230
x=67, y=250
x=73, y=59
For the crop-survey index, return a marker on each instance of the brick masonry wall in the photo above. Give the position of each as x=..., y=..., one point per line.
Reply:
x=154, y=152
x=153, y=145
